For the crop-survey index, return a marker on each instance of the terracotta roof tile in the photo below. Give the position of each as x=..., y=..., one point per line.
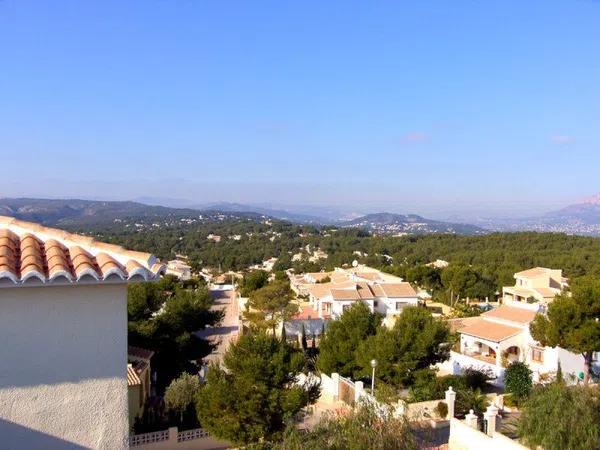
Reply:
x=132, y=377
x=535, y=272
x=511, y=313
x=345, y=294
x=32, y=251
x=398, y=290
x=490, y=331
x=139, y=352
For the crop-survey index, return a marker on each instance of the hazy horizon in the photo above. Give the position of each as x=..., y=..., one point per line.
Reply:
x=458, y=210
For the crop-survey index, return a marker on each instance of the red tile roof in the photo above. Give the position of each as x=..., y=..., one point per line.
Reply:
x=395, y=290
x=30, y=252
x=138, y=352
x=306, y=312
x=132, y=377
x=511, y=314
x=490, y=331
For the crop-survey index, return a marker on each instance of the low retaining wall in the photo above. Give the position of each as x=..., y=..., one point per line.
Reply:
x=464, y=437
x=173, y=438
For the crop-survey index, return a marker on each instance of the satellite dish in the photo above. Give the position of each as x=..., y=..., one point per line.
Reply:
x=355, y=263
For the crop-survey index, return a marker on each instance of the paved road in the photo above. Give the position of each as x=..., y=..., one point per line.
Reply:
x=228, y=331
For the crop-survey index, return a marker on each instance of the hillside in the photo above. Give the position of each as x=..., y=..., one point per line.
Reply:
x=74, y=213
x=389, y=223
x=580, y=218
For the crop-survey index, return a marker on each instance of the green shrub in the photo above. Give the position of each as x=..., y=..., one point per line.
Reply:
x=557, y=417
x=441, y=410
x=517, y=380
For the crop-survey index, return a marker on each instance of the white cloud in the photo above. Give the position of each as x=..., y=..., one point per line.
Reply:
x=415, y=136
x=561, y=139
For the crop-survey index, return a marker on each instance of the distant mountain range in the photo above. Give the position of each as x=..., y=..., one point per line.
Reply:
x=297, y=213
x=581, y=218
x=73, y=213
x=80, y=213
x=389, y=223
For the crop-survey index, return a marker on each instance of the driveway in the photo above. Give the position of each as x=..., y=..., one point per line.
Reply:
x=228, y=330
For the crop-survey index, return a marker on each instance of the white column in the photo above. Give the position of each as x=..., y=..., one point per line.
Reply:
x=173, y=431
x=359, y=388
x=471, y=419
x=336, y=385
x=450, y=399
x=490, y=417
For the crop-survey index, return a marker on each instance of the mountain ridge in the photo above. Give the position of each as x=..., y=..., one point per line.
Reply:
x=392, y=223
x=73, y=213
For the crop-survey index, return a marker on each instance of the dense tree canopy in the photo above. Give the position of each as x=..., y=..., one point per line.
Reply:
x=494, y=257
x=362, y=428
x=468, y=387
x=343, y=337
x=253, y=281
x=573, y=321
x=179, y=395
x=162, y=317
x=270, y=305
x=254, y=396
x=558, y=417
x=416, y=341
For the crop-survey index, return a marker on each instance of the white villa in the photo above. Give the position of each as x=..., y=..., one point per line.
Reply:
x=534, y=288
x=496, y=338
x=180, y=269
x=331, y=293
x=63, y=328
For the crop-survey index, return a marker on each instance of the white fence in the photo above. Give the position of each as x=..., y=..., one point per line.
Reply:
x=465, y=437
x=171, y=435
x=190, y=435
x=458, y=363
x=337, y=388
x=148, y=438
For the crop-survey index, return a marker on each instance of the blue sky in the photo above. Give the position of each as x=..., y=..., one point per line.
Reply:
x=418, y=106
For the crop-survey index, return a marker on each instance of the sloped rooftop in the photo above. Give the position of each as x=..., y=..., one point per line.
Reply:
x=34, y=255
x=511, y=314
x=490, y=331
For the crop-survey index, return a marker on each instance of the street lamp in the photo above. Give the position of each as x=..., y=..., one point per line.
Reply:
x=373, y=365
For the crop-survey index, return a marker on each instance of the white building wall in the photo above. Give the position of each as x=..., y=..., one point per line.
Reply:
x=337, y=307
x=63, y=357
x=390, y=304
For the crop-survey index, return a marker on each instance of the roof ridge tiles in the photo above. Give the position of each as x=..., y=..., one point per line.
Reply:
x=29, y=250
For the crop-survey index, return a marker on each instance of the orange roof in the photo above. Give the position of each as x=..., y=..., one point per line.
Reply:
x=320, y=290
x=371, y=276
x=398, y=290
x=547, y=292
x=138, y=352
x=489, y=331
x=132, y=377
x=535, y=272
x=364, y=291
x=345, y=294
x=461, y=322
x=512, y=314
x=319, y=275
x=30, y=252
x=306, y=312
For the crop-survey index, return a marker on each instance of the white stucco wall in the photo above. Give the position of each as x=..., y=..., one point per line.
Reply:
x=463, y=437
x=63, y=359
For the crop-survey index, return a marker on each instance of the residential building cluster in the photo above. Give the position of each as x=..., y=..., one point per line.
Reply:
x=331, y=293
x=64, y=331
x=491, y=341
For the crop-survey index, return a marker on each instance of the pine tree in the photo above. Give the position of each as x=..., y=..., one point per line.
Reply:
x=303, y=338
x=283, y=335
